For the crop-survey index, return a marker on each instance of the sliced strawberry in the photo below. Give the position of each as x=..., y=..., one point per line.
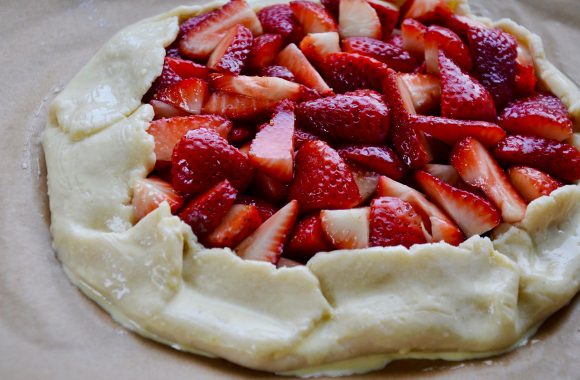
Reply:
x=313, y=17
x=202, y=159
x=231, y=53
x=149, y=193
x=307, y=239
x=532, y=183
x=205, y=212
x=526, y=79
x=356, y=18
x=265, y=49
x=349, y=72
x=494, y=53
x=437, y=38
x=269, y=188
x=167, y=132
x=388, y=14
x=346, y=229
x=265, y=209
x=202, y=38
x=277, y=72
x=316, y=46
x=396, y=39
x=425, y=91
x=542, y=115
x=267, y=242
x=413, y=35
x=395, y=57
x=380, y=159
x=241, y=133
x=187, y=95
x=366, y=180
x=479, y=169
x=558, y=159
x=452, y=131
x=279, y=19
x=394, y=222
x=163, y=109
x=460, y=24
x=239, y=223
x=347, y=118
x=446, y=173
x=424, y=8
x=192, y=22
x=462, y=96
x=268, y=88
x=187, y=69
x=272, y=150
x=295, y=61
x=318, y=165
x=167, y=78
x=287, y=263
x=238, y=107
x=301, y=137
x=474, y=215
x=332, y=7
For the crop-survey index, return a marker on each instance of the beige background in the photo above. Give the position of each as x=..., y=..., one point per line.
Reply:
x=49, y=330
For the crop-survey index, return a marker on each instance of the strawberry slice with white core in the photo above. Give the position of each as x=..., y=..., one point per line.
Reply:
x=163, y=109
x=267, y=242
x=187, y=95
x=357, y=18
x=231, y=53
x=413, y=34
x=295, y=61
x=187, y=69
x=526, y=79
x=313, y=17
x=239, y=223
x=388, y=14
x=423, y=8
x=379, y=158
x=149, y=193
x=477, y=168
x=437, y=38
x=394, y=222
x=316, y=46
x=307, y=239
x=366, y=181
x=347, y=229
x=265, y=49
x=394, y=56
x=235, y=106
x=269, y=188
x=167, y=132
x=200, y=41
x=425, y=91
x=272, y=150
x=474, y=214
x=287, y=263
x=446, y=173
x=268, y=88
x=532, y=183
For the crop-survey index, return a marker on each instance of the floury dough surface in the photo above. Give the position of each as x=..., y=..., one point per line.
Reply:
x=433, y=301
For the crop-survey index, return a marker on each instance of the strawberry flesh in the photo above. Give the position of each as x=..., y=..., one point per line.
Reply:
x=187, y=95
x=532, y=183
x=265, y=49
x=316, y=46
x=238, y=107
x=437, y=38
x=357, y=18
x=413, y=37
x=313, y=17
x=346, y=229
x=187, y=69
x=239, y=223
x=380, y=159
x=149, y=193
x=425, y=91
x=349, y=72
x=388, y=15
x=294, y=60
x=395, y=57
x=394, y=222
x=307, y=239
x=279, y=19
x=277, y=72
x=231, y=53
x=265, y=209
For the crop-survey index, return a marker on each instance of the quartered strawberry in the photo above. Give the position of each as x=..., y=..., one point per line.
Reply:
x=558, y=159
x=388, y=15
x=460, y=24
x=239, y=223
x=473, y=214
x=426, y=9
x=395, y=57
x=462, y=96
x=295, y=61
x=192, y=22
x=413, y=35
x=452, y=131
x=272, y=150
x=241, y=133
x=317, y=166
x=313, y=17
x=316, y=46
x=346, y=229
x=542, y=115
x=277, y=72
x=238, y=107
x=307, y=239
x=347, y=118
x=425, y=91
x=202, y=38
x=230, y=54
x=279, y=19
x=167, y=132
x=366, y=180
x=205, y=212
x=149, y=193
x=267, y=88
x=187, y=69
x=301, y=137
x=494, y=53
x=356, y=18
x=439, y=38
x=446, y=173
x=532, y=183
x=380, y=159
x=267, y=242
x=526, y=79
x=331, y=7
x=265, y=209
x=265, y=49
x=187, y=95
x=163, y=109
x=167, y=78
x=478, y=168
x=269, y=188
x=202, y=158
x=394, y=222
x=349, y=72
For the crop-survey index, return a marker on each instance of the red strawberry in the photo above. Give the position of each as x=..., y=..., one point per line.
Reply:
x=395, y=57
x=388, y=14
x=425, y=9
x=205, y=212
x=425, y=91
x=240, y=133
x=187, y=95
x=268, y=88
x=167, y=132
x=356, y=18
x=167, y=78
x=187, y=69
x=267, y=242
x=478, y=168
x=452, y=131
x=163, y=109
x=192, y=22
x=462, y=96
x=234, y=106
x=272, y=150
x=202, y=158
x=316, y=46
x=265, y=209
x=149, y=193
x=346, y=229
x=558, y=159
x=279, y=19
x=437, y=38
x=494, y=53
x=317, y=166
x=474, y=215
x=307, y=239
x=349, y=72
x=460, y=25
x=269, y=188
x=295, y=61
x=301, y=137
x=277, y=72
x=532, y=183
x=239, y=223
x=231, y=52
x=366, y=180
x=525, y=73
x=331, y=6
x=346, y=118
x=413, y=35
x=313, y=17
x=264, y=51
x=542, y=115
x=380, y=159
x=394, y=222
x=446, y=173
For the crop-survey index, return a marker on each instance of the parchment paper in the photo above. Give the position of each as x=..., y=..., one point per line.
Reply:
x=49, y=330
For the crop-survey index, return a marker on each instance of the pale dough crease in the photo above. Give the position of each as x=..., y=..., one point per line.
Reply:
x=345, y=312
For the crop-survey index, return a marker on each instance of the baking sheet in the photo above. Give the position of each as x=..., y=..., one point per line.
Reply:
x=49, y=330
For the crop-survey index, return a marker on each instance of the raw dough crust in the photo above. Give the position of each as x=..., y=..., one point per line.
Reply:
x=347, y=312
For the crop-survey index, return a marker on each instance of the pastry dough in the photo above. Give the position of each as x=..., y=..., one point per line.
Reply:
x=345, y=312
